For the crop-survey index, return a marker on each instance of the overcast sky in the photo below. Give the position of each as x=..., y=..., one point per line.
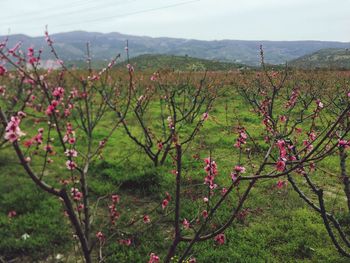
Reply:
x=199, y=19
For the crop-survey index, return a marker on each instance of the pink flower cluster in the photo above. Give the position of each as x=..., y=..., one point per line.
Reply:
x=205, y=116
x=280, y=184
x=58, y=94
x=344, y=143
x=220, y=239
x=76, y=194
x=70, y=134
x=153, y=258
x=146, y=219
x=242, y=138
x=12, y=130
x=186, y=224
x=166, y=201
x=113, y=213
x=212, y=171
x=71, y=165
x=125, y=242
x=12, y=214
x=154, y=76
x=3, y=70
x=100, y=236
x=31, y=58
x=38, y=139
x=281, y=163
x=236, y=172
x=293, y=99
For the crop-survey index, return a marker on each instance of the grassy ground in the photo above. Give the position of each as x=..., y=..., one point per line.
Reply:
x=277, y=227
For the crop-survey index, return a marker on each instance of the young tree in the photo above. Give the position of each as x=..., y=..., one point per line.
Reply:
x=66, y=109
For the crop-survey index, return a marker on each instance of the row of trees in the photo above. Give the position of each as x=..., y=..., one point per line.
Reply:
x=302, y=125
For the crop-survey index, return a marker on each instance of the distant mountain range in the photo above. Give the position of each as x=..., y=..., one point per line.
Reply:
x=332, y=58
x=71, y=46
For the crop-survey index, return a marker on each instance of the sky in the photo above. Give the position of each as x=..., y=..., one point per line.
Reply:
x=195, y=19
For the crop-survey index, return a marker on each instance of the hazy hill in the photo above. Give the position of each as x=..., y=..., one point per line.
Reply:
x=333, y=58
x=72, y=46
x=155, y=62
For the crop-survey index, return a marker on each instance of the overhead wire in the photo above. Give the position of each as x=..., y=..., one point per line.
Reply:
x=123, y=15
x=45, y=13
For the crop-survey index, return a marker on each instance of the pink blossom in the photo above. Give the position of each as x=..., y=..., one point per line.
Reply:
x=312, y=166
x=160, y=146
x=38, y=138
x=319, y=104
x=48, y=148
x=125, y=242
x=71, y=165
x=280, y=165
x=153, y=258
x=223, y=191
x=242, y=137
x=298, y=130
x=312, y=136
x=165, y=203
x=343, y=143
x=11, y=214
x=234, y=176
x=77, y=195
x=154, y=76
x=146, y=219
x=12, y=130
x=113, y=213
x=308, y=145
x=3, y=70
x=21, y=114
x=204, y=214
x=80, y=207
x=28, y=143
x=283, y=118
x=186, y=224
x=293, y=99
x=115, y=199
x=71, y=153
x=100, y=236
x=102, y=143
x=71, y=140
x=220, y=239
x=30, y=52
x=49, y=110
x=130, y=68
x=281, y=184
x=205, y=116
x=239, y=169
x=58, y=92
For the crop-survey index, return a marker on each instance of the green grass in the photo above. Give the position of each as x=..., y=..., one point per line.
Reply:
x=279, y=227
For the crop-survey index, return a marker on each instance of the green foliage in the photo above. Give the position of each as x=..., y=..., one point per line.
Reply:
x=39, y=218
x=110, y=177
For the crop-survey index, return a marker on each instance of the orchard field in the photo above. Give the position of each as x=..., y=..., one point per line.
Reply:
x=121, y=165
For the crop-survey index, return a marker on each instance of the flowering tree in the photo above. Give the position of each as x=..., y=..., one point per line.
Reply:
x=184, y=102
x=65, y=111
x=296, y=135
